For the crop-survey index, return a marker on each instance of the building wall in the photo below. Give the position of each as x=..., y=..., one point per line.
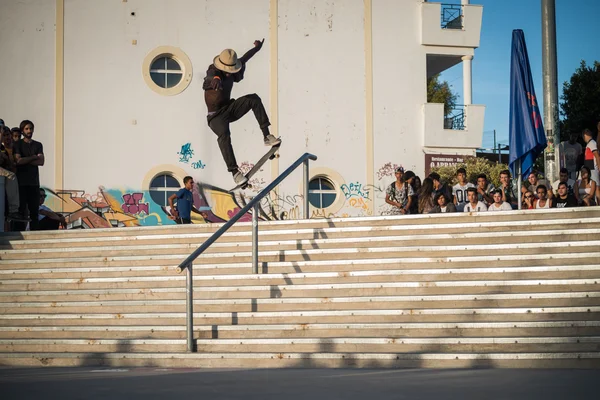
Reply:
x=27, y=45
x=312, y=74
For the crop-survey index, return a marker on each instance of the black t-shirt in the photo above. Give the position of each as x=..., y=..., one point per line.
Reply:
x=570, y=201
x=28, y=174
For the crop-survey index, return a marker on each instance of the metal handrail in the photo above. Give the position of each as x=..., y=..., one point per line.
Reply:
x=187, y=264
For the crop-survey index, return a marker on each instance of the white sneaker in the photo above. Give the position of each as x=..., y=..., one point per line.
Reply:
x=271, y=140
x=239, y=178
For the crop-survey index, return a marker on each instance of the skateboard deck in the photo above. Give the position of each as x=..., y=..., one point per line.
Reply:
x=269, y=155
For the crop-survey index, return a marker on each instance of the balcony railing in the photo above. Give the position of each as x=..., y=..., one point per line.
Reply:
x=455, y=120
x=452, y=16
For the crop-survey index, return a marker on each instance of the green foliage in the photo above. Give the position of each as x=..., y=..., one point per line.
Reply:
x=441, y=92
x=474, y=167
x=581, y=100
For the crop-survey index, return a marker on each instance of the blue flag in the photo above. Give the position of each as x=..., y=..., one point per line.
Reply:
x=526, y=132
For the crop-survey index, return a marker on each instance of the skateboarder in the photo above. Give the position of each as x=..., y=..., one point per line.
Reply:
x=225, y=70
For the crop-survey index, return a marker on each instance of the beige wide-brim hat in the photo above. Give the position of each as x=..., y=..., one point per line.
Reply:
x=228, y=61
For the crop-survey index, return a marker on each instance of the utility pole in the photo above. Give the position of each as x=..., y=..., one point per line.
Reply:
x=551, y=156
x=494, y=140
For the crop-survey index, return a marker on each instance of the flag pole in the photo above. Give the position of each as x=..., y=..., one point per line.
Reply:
x=519, y=183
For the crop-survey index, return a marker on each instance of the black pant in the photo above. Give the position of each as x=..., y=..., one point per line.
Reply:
x=47, y=224
x=184, y=221
x=29, y=197
x=236, y=109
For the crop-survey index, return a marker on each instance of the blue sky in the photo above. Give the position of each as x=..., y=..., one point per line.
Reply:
x=577, y=37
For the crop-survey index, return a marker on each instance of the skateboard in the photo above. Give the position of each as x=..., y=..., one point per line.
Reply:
x=269, y=155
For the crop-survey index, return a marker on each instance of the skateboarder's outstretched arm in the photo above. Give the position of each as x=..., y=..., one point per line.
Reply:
x=250, y=53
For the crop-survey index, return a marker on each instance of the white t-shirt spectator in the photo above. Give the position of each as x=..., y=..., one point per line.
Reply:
x=590, y=161
x=503, y=207
x=568, y=156
x=460, y=192
x=479, y=207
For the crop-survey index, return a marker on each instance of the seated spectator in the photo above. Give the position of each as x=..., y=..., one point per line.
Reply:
x=585, y=188
x=443, y=204
x=532, y=183
x=499, y=204
x=426, y=197
x=562, y=178
x=563, y=198
x=400, y=195
x=11, y=184
x=542, y=201
x=484, y=190
x=528, y=200
x=474, y=204
x=459, y=191
x=48, y=219
x=509, y=192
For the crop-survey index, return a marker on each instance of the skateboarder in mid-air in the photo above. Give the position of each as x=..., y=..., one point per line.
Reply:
x=226, y=69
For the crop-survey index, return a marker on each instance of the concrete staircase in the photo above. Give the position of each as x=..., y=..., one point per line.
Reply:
x=514, y=289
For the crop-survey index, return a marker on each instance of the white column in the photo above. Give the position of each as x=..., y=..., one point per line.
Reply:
x=467, y=87
x=464, y=2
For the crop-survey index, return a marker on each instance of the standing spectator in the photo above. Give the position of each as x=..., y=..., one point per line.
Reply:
x=563, y=198
x=185, y=202
x=400, y=193
x=16, y=134
x=585, y=188
x=7, y=147
x=532, y=183
x=443, y=204
x=484, y=190
x=498, y=204
x=459, y=190
x=528, y=201
x=509, y=193
x=439, y=186
x=11, y=185
x=591, y=159
x=570, y=151
x=426, y=196
x=29, y=155
x=474, y=204
x=563, y=177
x=542, y=201
x=48, y=219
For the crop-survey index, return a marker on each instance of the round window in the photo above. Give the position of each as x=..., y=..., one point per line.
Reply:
x=321, y=192
x=162, y=187
x=167, y=70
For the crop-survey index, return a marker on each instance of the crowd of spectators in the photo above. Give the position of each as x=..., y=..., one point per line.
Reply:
x=578, y=186
x=20, y=159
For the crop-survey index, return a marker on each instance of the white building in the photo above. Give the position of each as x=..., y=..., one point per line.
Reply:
x=342, y=79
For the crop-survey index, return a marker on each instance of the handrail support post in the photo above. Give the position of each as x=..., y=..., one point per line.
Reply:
x=189, y=304
x=306, y=182
x=255, y=239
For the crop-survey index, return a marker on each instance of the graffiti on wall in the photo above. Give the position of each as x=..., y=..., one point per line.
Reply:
x=186, y=153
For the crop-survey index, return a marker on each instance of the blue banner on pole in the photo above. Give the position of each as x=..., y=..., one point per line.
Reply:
x=526, y=131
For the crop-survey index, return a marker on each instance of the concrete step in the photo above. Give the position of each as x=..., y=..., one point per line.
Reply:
x=493, y=314
x=348, y=253
x=148, y=289
x=122, y=249
x=531, y=215
x=407, y=233
x=307, y=360
x=311, y=304
x=313, y=345
x=476, y=329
